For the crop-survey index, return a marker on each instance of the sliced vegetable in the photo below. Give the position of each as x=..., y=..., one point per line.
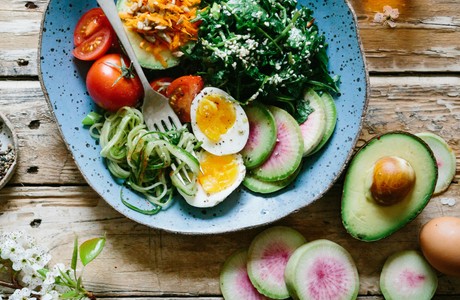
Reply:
x=89, y=23
x=262, y=135
x=112, y=84
x=287, y=154
x=91, y=118
x=406, y=275
x=144, y=159
x=266, y=187
x=322, y=269
x=181, y=93
x=314, y=127
x=161, y=84
x=158, y=30
x=445, y=159
x=234, y=280
x=268, y=255
x=331, y=120
x=95, y=46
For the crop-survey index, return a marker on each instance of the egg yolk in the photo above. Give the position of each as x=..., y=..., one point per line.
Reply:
x=215, y=116
x=217, y=172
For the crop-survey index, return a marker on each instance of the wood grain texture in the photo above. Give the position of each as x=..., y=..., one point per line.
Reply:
x=140, y=261
x=49, y=199
x=425, y=39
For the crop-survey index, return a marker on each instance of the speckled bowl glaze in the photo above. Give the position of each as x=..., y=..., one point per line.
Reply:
x=8, y=139
x=63, y=82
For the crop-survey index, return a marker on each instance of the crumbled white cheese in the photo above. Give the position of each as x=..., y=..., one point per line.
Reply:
x=296, y=39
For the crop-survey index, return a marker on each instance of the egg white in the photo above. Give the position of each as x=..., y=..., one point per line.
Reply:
x=203, y=199
x=234, y=140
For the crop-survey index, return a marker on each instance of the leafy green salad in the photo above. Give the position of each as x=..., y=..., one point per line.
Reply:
x=269, y=50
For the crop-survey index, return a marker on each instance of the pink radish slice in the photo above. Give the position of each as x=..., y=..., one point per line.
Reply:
x=406, y=275
x=234, y=280
x=445, y=159
x=268, y=255
x=262, y=135
x=314, y=128
x=321, y=270
x=287, y=153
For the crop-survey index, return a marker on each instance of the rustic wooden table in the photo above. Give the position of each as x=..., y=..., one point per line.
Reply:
x=415, y=86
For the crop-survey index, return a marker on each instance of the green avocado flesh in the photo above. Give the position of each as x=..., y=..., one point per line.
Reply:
x=146, y=59
x=362, y=217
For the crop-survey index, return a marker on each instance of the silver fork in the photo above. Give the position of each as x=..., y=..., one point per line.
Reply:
x=158, y=114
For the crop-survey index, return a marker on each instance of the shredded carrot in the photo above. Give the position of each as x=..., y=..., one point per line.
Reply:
x=166, y=24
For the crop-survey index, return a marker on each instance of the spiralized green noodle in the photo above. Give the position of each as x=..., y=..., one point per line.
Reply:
x=152, y=163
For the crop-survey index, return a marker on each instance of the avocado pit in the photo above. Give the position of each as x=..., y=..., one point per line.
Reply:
x=392, y=179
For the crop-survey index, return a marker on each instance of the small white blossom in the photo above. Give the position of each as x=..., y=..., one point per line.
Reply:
x=22, y=294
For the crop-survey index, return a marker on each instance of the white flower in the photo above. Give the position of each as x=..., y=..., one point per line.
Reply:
x=51, y=295
x=32, y=280
x=7, y=247
x=22, y=294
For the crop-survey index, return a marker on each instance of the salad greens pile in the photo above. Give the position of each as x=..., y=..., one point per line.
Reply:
x=268, y=50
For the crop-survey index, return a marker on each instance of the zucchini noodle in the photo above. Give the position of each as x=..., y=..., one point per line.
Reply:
x=151, y=163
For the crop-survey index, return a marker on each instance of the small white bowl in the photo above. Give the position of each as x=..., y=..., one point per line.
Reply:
x=8, y=151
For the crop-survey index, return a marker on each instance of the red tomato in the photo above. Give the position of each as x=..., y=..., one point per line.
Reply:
x=181, y=93
x=161, y=84
x=112, y=84
x=91, y=22
x=95, y=46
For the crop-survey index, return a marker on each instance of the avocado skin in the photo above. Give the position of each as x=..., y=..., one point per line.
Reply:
x=362, y=217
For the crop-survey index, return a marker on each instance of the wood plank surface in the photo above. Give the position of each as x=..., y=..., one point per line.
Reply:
x=414, y=86
x=424, y=40
x=142, y=261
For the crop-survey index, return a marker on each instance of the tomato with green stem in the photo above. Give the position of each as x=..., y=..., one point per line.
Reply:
x=112, y=83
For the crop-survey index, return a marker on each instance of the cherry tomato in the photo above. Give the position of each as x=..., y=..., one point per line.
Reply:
x=95, y=46
x=112, y=84
x=181, y=93
x=91, y=22
x=161, y=84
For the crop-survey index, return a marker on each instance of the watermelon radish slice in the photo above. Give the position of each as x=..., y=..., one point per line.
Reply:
x=268, y=255
x=262, y=135
x=314, y=128
x=331, y=120
x=406, y=275
x=445, y=159
x=234, y=280
x=287, y=154
x=266, y=187
x=322, y=269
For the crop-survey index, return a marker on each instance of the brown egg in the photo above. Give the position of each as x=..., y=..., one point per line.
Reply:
x=440, y=244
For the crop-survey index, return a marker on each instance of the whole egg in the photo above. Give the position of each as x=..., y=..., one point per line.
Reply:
x=440, y=244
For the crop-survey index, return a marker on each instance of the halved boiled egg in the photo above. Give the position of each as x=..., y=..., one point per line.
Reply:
x=219, y=122
x=219, y=176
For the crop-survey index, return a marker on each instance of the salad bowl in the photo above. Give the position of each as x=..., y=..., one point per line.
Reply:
x=63, y=82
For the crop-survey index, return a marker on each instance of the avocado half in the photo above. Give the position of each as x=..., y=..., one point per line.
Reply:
x=145, y=58
x=362, y=216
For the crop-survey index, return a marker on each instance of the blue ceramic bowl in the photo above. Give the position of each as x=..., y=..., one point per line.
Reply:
x=63, y=82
